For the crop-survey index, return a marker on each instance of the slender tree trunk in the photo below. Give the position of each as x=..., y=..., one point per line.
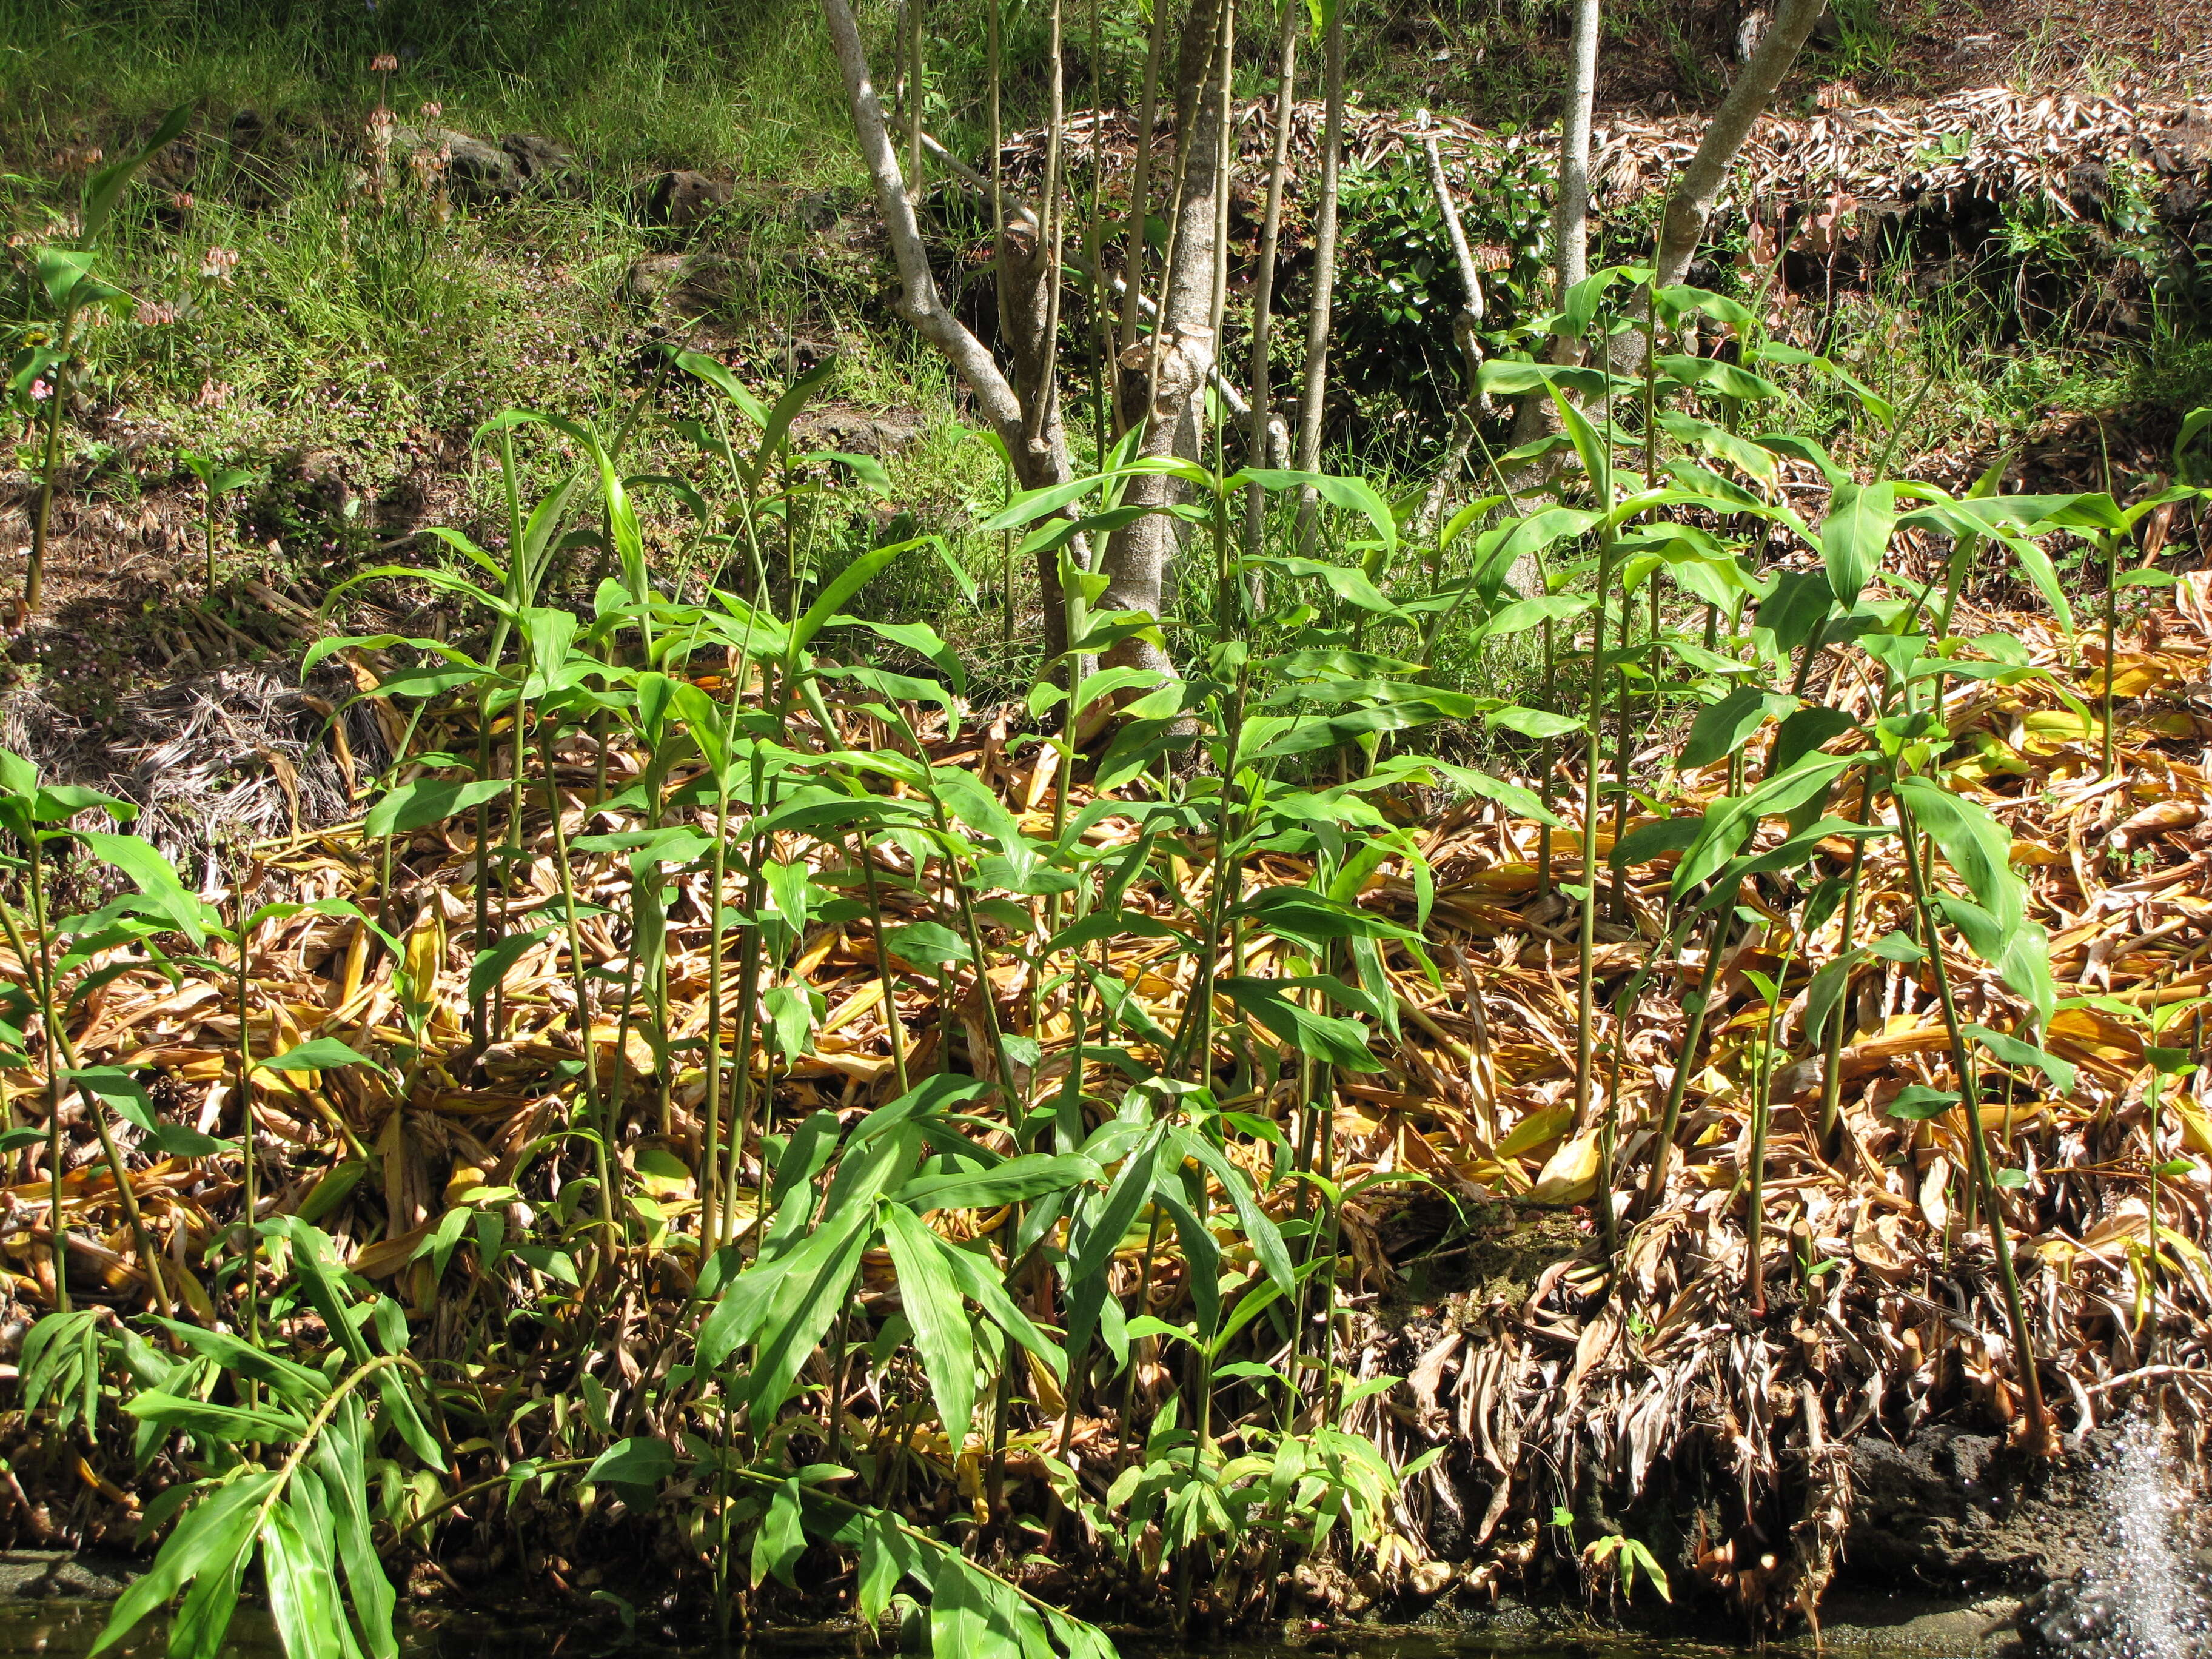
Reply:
x=1140, y=556
x=914, y=99
x=1317, y=322
x=1024, y=267
x=1263, y=294
x=1467, y=331
x=1569, y=211
x=1140, y=205
x=1692, y=203
x=1042, y=393
x=1690, y=207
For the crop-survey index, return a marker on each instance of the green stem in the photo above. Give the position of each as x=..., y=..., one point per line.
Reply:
x=34, y=573
x=1695, y=1007
x=1978, y=1144
x=594, y=1101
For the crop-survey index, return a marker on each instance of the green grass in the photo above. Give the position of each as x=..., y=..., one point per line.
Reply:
x=385, y=333
x=747, y=88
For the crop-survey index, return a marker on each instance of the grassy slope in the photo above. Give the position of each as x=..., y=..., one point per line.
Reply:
x=372, y=340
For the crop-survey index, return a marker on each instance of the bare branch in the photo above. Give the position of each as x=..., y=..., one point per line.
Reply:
x=920, y=304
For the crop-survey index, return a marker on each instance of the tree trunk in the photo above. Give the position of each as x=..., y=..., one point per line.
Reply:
x=1263, y=294
x=1692, y=203
x=1466, y=332
x=1318, y=321
x=1140, y=556
x=1025, y=270
x=1571, y=210
x=1140, y=202
x=1690, y=207
x=1569, y=217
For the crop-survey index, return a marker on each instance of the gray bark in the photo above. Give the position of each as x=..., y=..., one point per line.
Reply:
x=1692, y=203
x=1139, y=555
x=1256, y=446
x=1690, y=207
x=1571, y=210
x=1318, y=321
x=1569, y=217
x=1024, y=271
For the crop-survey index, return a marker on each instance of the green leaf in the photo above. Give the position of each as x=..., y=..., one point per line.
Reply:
x=1354, y=494
x=1917, y=1102
x=1259, y=1230
x=1718, y=376
x=2012, y=1051
x=1327, y=1038
x=1855, y=536
x=341, y=1459
x=808, y=1301
x=846, y=583
x=1795, y=609
x=939, y=1315
x=303, y=1593
x=301, y=1385
x=928, y=944
x=106, y=187
x=638, y=1460
x=1725, y=727
x=209, y=1538
x=490, y=966
x=1974, y=844
x=887, y=1556
x=1729, y=821
x=426, y=801
x=1014, y=1181
x=1648, y=840
x=155, y=877
x=977, y=1276
x=782, y=1539
x=1524, y=613
x=318, y=1054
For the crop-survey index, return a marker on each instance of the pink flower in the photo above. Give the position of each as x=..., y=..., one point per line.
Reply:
x=431, y=111
x=217, y=262
x=154, y=314
x=41, y=391
x=383, y=63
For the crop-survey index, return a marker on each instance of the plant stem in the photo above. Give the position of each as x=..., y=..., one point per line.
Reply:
x=34, y=573
x=2038, y=1422
x=1696, y=1007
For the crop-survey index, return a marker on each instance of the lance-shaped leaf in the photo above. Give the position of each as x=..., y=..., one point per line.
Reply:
x=939, y=1315
x=1324, y=1036
x=1973, y=843
x=1855, y=536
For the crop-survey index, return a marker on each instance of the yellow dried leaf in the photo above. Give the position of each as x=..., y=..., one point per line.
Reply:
x=1571, y=1176
x=1536, y=1131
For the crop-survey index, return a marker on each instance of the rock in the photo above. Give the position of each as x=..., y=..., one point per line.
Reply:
x=545, y=166
x=690, y=284
x=2089, y=188
x=476, y=170
x=681, y=199
x=479, y=171
x=1985, y=55
x=61, y=1576
x=855, y=434
x=2073, y=1616
x=1950, y=1509
x=2185, y=144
